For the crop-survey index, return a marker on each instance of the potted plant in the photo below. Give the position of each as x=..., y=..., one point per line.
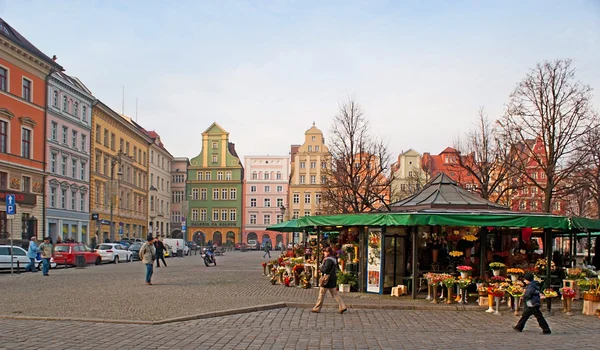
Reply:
x=464, y=270
x=346, y=281
x=497, y=267
x=515, y=273
x=568, y=295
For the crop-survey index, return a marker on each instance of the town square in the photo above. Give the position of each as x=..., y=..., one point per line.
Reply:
x=299, y=174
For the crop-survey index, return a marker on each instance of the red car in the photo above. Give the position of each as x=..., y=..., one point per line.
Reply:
x=68, y=251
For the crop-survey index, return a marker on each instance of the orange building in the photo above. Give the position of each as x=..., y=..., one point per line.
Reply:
x=23, y=79
x=448, y=162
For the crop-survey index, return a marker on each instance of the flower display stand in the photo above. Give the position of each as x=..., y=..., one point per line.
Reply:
x=483, y=301
x=573, y=285
x=590, y=307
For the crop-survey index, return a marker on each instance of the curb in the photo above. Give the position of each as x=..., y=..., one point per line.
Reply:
x=230, y=312
x=74, y=319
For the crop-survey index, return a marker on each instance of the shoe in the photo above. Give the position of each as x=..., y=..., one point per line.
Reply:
x=314, y=311
x=547, y=332
x=342, y=311
x=149, y=283
x=517, y=329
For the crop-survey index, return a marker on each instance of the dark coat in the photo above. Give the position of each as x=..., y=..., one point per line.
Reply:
x=329, y=267
x=532, y=293
x=159, y=246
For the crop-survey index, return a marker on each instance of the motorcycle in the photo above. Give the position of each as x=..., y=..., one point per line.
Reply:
x=209, y=257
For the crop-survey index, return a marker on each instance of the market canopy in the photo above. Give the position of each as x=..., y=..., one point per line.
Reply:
x=286, y=226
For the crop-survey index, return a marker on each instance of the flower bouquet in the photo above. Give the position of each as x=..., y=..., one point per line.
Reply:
x=464, y=268
x=287, y=280
x=498, y=279
x=575, y=273
x=503, y=254
x=515, y=271
x=456, y=254
x=452, y=237
x=516, y=290
x=497, y=266
x=549, y=293
x=584, y=284
x=280, y=261
x=498, y=292
x=568, y=292
x=463, y=283
x=469, y=238
x=274, y=279
x=541, y=264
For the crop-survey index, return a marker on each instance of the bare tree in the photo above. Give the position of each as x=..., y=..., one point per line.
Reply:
x=548, y=115
x=585, y=186
x=484, y=154
x=359, y=179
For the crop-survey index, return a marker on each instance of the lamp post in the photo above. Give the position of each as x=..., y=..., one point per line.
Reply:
x=283, y=210
x=113, y=189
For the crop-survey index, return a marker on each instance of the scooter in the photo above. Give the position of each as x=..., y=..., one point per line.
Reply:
x=209, y=257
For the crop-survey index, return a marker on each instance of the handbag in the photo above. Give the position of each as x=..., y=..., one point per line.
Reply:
x=323, y=280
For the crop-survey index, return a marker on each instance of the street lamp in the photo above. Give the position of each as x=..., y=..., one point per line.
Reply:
x=287, y=237
x=113, y=189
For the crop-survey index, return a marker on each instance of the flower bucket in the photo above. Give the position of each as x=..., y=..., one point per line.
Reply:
x=514, y=278
x=496, y=272
x=464, y=274
x=344, y=288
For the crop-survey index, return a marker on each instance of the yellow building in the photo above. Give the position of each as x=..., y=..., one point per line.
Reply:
x=308, y=171
x=119, y=175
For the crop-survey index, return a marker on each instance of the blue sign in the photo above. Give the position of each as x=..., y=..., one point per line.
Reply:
x=183, y=227
x=11, y=206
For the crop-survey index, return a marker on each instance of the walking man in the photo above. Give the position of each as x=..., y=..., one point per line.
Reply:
x=267, y=249
x=147, y=255
x=160, y=252
x=47, y=250
x=32, y=252
x=532, y=305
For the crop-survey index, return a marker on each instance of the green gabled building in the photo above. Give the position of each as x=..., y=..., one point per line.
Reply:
x=214, y=186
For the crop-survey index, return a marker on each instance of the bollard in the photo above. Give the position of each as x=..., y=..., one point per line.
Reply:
x=18, y=267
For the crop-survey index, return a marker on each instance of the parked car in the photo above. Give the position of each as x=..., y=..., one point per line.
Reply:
x=252, y=244
x=241, y=246
x=66, y=252
x=192, y=245
x=177, y=244
x=168, y=251
x=19, y=255
x=114, y=252
x=134, y=248
x=125, y=244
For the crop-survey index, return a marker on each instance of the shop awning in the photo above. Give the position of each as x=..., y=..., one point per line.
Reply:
x=585, y=223
x=286, y=226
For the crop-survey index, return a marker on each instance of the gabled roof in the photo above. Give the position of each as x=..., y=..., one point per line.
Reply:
x=215, y=127
x=449, y=150
x=443, y=193
x=10, y=33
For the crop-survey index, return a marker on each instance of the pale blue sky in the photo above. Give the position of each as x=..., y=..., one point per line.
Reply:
x=266, y=70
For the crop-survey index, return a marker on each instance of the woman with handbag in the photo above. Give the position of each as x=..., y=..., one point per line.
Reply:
x=328, y=282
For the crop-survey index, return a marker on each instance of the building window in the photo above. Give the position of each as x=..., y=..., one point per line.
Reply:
x=296, y=214
x=113, y=142
x=106, y=138
x=4, y=79
x=278, y=175
x=310, y=148
x=313, y=165
x=267, y=219
x=207, y=176
x=302, y=179
x=253, y=219
x=52, y=197
x=26, y=186
x=223, y=214
x=228, y=176
x=65, y=135
x=74, y=139
x=214, y=159
x=254, y=176
x=194, y=214
x=267, y=176
x=534, y=206
x=195, y=194
x=203, y=215
x=215, y=215
x=232, y=215
x=307, y=213
x=279, y=218
x=317, y=198
x=73, y=205
x=253, y=202
x=63, y=199
x=267, y=188
x=98, y=133
x=53, y=163
x=83, y=143
x=135, y=157
x=323, y=179
x=296, y=199
x=267, y=202
x=252, y=188
x=313, y=179
x=220, y=175
x=82, y=171
x=27, y=89
x=65, y=103
x=84, y=114
x=54, y=131
x=26, y=143
x=3, y=136
x=203, y=194
x=73, y=168
x=233, y=194
x=302, y=165
x=3, y=180
x=76, y=109
x=279, y=202
x=215, y=193
x=279, y=188
x=214, y=145
x=314, y=138
x=316, y=148
x=523, y=205
x=307, y=198
x=199, y=176
x=224, y=194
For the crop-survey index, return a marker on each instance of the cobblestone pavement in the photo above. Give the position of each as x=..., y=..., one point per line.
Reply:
x=291, y=328
x=185, y=287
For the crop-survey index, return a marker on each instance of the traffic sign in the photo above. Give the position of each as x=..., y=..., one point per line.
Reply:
x=11, y=207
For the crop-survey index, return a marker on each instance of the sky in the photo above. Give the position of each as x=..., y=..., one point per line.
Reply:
x=266, y=70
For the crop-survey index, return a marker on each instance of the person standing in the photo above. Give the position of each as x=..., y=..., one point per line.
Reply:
x=160, y=252
x=329, y=268
x=147, y=255
x=47, y=250
x=532, y=305
x=32, y=252
x=267, y=248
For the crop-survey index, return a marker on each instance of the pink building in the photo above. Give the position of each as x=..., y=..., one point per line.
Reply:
x=265, y=192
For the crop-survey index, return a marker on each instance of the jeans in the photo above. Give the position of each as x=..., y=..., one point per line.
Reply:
x=31, y=266
x=160, y=256
x=149, y=272
x=45, y=266
x=535, y=311
x=267, y=252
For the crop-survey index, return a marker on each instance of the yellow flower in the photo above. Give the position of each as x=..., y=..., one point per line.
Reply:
x=470, y=238
x=456, y=254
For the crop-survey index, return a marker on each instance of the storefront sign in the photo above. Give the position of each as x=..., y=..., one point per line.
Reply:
x=20, y=198
x=374, y=261
x=212, y=224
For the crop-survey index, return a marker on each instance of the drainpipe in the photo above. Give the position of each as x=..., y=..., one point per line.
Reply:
x=44, y=177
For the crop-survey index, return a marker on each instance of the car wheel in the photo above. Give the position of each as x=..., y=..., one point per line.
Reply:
x=98, y=261
x=116, y=259
x=130, y=259
x=39, y=267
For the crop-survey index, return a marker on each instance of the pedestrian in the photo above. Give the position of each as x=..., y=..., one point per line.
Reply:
x=160, y=252
x=267, y=248
x=32, y=253
x=532, y=305
x=147, y=255
x=328, y=268
x=47, y=250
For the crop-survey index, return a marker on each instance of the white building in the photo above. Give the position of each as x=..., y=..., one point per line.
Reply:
x=159, y=195
x=409, y=175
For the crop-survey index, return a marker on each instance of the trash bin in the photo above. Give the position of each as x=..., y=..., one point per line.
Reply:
x=180, y=253
x=79, y=261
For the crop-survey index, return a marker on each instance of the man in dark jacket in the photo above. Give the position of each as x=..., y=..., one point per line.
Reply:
x=532, y=305
x=160, y=252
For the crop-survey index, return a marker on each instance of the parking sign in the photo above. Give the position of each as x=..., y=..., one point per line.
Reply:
x=11, y=206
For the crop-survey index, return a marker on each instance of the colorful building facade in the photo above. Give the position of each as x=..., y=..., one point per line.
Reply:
x=180, y=197
x=68, y=122
x=119, y=175
x=23, y=73
x=215, y=183
x=265, y=193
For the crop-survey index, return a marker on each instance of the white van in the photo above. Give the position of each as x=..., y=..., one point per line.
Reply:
x=177, y=244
